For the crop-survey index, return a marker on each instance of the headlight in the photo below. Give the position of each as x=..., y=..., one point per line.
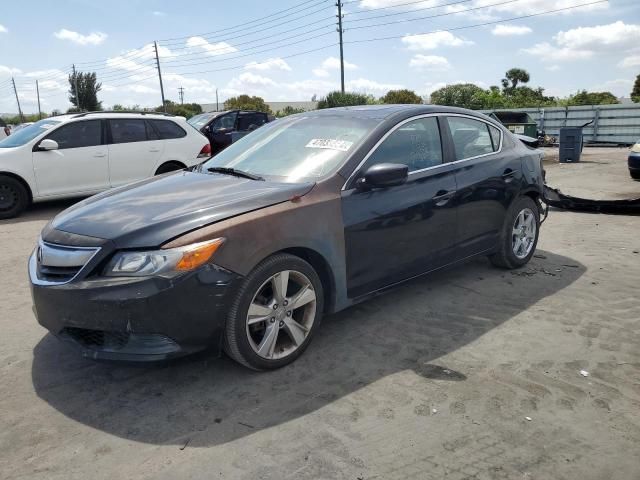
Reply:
x=636, y=148
x=158, y=262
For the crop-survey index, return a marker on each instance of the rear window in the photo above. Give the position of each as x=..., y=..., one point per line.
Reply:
x=127, y=130
x=168, y=129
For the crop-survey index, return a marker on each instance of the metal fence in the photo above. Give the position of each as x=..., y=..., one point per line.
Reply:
x=617, y=124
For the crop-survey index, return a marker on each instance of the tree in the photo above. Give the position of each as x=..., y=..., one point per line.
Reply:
x=346, y=99
x=186, y=110
x=401, y=97
x=245, y=102
x=289, y=110
x=86, y=98
x=515, y=76
x=592, y=98
x=464, y=95
x=635, y=93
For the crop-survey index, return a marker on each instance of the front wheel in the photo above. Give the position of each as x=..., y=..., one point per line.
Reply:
x=275, y=313
x=519, y=236
x=635, y=174
x=13, y=197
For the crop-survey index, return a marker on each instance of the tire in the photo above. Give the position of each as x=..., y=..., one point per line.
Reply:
x=169, y=167
x=14, y=197
x=506, y=256
x=247, y=334
x=635, y=174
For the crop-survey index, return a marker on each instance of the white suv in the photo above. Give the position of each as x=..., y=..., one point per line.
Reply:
x=82, y=154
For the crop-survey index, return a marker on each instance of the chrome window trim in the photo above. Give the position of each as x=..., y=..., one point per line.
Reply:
x=418, y=117
x=33, y=262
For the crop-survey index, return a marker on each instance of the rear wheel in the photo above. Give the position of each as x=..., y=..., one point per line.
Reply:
x=519, y=235
x=635, y=174
x=275, y=314
x=14, y=197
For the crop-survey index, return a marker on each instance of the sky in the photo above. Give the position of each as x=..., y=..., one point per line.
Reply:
x=288, y=50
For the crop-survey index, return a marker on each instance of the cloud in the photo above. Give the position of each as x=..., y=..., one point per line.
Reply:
x=508, y=30
x=431, y=41
x=94, y=38
x=3, y=29
x=248, y=81
x=158, y=13
x=584, y=42
x=553, y=68
x=631, y=61
x=269, y=64
x=220, y=48
x=620, y=87
x=9, y=70
x=371, y=86
x=332, y=63
x=430, y=62
x=535, y=6
x=395, y=3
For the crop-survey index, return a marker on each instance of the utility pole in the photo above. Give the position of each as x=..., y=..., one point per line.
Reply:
x=38, y=94
x=181, y=90
x=155, y=46
x=340, y=32
x=217, y=106
x=75, y=86
x=17, y=100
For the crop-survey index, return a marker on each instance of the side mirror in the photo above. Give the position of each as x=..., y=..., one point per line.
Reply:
x=383, y=175
x=47, y=145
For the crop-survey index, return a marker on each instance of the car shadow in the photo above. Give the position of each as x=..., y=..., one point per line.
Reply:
x=204, y=400
x=43, y=211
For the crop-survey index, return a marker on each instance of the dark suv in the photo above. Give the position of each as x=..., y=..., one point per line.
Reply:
x=224, y=128
x=306, y=216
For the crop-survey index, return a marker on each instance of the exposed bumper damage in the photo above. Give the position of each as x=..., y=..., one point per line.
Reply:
x=555, y=198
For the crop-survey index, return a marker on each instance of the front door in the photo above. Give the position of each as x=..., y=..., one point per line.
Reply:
x=488, y=180
x=395, y=233
x=221, y=132
x=79, y=166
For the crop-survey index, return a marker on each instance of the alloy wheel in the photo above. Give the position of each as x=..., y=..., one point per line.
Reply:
x=524, y=233
x=281, y=315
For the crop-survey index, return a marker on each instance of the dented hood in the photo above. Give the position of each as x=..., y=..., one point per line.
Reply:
x=151, y=212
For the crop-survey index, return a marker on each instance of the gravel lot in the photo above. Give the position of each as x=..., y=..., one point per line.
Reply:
x=469, y=373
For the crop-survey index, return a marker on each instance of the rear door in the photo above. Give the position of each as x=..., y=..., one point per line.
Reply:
x=222, y=131
x=79, y=166
x=134, y=150
x=395, y=233
x=248, y=122
x=488, y=181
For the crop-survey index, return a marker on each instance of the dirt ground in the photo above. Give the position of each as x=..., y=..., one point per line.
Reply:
x=469, y=373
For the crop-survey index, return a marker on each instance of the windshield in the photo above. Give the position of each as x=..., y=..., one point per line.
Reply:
x=26, y=134
x=296, y=148
x=199, y=121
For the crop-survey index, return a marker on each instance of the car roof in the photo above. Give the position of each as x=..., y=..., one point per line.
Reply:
x=109, y=114
x=381, y=112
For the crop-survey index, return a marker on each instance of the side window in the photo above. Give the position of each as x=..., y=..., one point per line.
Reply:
x=86, y=133
x=152, y=134
x=495, y=137
x=246, y=120
x=127, y=130
x=471, y=138
x=415, y=144
x=168, y=129
x=225, y=121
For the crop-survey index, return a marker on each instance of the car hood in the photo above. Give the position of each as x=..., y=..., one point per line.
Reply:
x=154, y=211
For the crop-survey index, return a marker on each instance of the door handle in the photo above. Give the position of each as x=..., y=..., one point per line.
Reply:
x=100, y=155
x=508, y=175
x=154, y=150
x=442, y=197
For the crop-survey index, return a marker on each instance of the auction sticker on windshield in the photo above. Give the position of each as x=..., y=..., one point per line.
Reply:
x=341, y=145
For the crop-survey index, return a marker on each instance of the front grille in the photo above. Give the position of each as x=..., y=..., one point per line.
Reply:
x=56, y=264
x=100, y=339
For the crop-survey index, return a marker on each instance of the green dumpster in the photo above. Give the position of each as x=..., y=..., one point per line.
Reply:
x=517, y=122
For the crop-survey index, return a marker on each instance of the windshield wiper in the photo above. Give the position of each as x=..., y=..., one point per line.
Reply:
x=235, y=173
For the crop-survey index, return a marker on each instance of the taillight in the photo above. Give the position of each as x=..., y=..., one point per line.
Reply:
x=205, y=152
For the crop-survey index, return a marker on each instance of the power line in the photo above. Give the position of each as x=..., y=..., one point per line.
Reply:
x=478, y=24
x=316, y=2
x=348, y=15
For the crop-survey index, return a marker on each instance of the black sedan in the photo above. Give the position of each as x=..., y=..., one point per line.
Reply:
x=307, y=216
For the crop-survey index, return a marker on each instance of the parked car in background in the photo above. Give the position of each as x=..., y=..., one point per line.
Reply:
x=82, y=154
x=634, y=161
x=306, y=216
x=5, y=130
x=224, y=128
